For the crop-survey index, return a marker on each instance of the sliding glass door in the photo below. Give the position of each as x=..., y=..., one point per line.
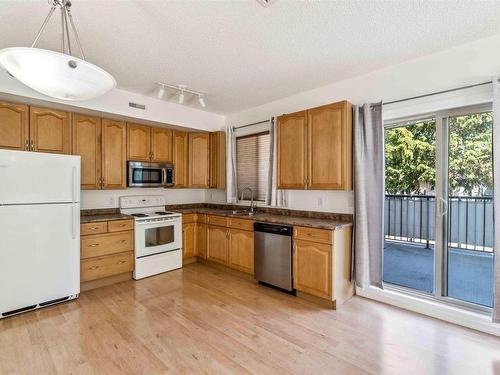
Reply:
x=439, y=206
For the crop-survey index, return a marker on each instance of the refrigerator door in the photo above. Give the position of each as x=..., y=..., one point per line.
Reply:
x=39, y=254
x=35, y=177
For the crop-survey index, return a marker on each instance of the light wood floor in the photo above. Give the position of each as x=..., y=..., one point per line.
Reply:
x=203, y=320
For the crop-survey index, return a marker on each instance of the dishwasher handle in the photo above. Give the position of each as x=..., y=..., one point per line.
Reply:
x=282, y=230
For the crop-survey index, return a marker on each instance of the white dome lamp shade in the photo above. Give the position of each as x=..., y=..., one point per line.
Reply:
x=55, y=74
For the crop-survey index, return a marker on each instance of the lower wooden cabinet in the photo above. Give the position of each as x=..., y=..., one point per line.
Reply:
x=107, y=250
x=201, y=240
x=241, y=250
x=312, y=268
x=188, y=240
x=217, y=244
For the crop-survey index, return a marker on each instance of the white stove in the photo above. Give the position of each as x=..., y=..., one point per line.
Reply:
x=158, y=234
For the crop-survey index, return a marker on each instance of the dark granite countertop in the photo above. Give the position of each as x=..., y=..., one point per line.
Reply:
x=322, y=222
x=92, y=216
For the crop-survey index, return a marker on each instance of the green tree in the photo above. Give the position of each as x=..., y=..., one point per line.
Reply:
x=410, y=158
x=410, y=152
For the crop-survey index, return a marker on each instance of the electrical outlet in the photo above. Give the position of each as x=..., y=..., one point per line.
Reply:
x=320, y=201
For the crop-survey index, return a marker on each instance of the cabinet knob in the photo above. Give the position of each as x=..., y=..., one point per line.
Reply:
x=94, y=245
x=94, y=268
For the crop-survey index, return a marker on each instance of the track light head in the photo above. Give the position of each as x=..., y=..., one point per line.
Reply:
x=161, y=92
x=202, y=101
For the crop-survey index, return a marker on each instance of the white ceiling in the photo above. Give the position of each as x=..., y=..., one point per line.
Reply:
x=243, y=55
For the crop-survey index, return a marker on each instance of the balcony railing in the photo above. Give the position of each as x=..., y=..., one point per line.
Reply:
x=411, y=218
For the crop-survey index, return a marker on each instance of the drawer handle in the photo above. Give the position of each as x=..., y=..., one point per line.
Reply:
x=122, y=261
x=123, y=225
x=123, y=241
x=94, y=245
x=94, y=268
x=94, y=228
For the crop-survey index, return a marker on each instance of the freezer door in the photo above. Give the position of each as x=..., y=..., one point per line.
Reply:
x=39, y=254
x=35, y=177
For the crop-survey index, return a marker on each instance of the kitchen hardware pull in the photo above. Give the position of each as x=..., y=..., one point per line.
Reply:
x=94, y=268
x=94, y=228
x=32, y=146
x=94, y=245
x=123, y=241
x=122, y=261
x=123, y=225
x=27, y=145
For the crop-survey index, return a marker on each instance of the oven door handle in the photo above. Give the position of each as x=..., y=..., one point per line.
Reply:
x=163, y=176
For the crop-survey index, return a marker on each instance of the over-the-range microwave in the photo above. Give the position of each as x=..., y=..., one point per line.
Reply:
x=148, y=174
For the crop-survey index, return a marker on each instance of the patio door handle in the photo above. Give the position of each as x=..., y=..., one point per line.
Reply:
x=443, y=208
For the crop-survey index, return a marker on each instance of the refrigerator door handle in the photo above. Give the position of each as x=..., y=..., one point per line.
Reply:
x=73, y=221
x=75, y=193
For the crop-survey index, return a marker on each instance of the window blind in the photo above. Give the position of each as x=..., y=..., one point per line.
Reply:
x=252, y=164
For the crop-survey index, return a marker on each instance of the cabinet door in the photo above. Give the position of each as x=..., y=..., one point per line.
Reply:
x=188, y=240
x=292, y=151
x=114, y=154
x=14, y=126
x=180, y=158
x=201, y=240
x=138, y=142
x=49, y=130
x=312, y=268
x=86, y=142
x=199, y=160
x=241, y=250
x=161, y=145
x=217, y=244
x=329, y=150
x=218, y=160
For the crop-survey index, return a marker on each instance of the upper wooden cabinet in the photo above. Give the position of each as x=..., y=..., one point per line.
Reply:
x=315, y=148
x=114, y=154
x=49, y=130
x=199, y=159
x=146, y=143
x=139, y=142
x=86, y=142
x=217, y=160
x=161, y=145
x=292, y=151
x=14, y=126
x=180, y=158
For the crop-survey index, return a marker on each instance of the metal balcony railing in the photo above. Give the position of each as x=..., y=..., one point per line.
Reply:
x=411, y=218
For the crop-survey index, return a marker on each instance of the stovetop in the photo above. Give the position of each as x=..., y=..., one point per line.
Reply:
x=145, y=207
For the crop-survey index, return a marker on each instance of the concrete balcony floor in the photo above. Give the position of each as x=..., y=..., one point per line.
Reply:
x=470, y=273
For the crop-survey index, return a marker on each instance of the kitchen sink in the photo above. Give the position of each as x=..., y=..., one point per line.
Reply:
x=243, y=213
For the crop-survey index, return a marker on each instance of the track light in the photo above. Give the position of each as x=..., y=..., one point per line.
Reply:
x=182, y=90
x=161, y=92
x=202, y=101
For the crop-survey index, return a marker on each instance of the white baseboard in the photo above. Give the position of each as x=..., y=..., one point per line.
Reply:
x=434, y=309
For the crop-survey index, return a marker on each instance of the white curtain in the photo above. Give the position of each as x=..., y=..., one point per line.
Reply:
x=231, y=178
x=496, y=202
x=274, y=197
x=368, y=150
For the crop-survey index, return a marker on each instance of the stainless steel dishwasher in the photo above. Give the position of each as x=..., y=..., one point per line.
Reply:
x=273, y=255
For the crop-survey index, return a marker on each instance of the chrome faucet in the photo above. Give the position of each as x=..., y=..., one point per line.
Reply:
x=251, y=192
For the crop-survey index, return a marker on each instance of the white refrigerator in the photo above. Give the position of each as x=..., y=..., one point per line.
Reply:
x=39, y=230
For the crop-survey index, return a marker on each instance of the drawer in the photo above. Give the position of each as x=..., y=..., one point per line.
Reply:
x=120, y=225
x=313, y=234
x=93, y=228
x=241, y=223
x=105, y=244
x=218, y=220
x=97, y=268
x=189, y=218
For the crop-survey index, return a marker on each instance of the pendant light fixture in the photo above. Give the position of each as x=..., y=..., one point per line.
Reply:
x=57, y=74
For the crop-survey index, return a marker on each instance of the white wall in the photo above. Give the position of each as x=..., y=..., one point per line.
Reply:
x=117, y=102
x=92, y=199
x=463, y=65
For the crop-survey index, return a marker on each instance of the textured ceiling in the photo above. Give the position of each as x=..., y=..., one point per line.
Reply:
x=242, y=54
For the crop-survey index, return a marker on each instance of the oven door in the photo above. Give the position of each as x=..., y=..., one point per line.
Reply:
x=155, y=237
x=142, y=174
